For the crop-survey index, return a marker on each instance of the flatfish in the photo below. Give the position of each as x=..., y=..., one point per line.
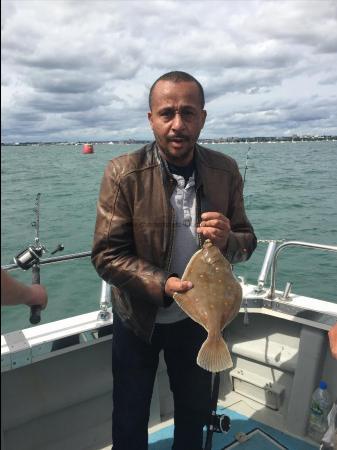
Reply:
x=213, y=302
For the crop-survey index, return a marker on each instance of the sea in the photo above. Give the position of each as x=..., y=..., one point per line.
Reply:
x=290, y=193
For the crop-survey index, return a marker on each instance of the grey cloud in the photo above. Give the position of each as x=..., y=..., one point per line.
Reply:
x=62, y=103
x=66, y=84
x=53, y=62
x=277, y=118
x=332, y=79
x=299, y=22
x=26, y=116
x=328, y=46
x=106, y=118
x=249, y=81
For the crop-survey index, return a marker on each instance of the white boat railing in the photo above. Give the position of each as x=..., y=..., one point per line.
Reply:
x=269, y=263
x=281, y=247
x=269, y=266
x=22, y=347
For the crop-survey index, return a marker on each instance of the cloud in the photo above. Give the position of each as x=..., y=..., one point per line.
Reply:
x=84, y=68
x=279, y=118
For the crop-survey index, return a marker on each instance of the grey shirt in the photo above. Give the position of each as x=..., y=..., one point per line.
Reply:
x=183, y=201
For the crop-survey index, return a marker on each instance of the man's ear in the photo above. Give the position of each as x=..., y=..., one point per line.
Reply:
x=204, y=115
x=149, y=116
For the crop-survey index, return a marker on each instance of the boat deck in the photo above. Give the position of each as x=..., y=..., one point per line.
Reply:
x=259, y=436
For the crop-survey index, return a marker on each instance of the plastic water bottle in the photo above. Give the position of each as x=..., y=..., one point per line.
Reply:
x=319, y=409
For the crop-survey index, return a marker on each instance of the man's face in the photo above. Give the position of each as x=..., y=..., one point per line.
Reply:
x=176, y=118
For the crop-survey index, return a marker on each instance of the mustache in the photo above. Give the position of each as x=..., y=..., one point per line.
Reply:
x=178, y=136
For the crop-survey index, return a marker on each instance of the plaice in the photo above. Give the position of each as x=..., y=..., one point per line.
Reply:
x=213, y=302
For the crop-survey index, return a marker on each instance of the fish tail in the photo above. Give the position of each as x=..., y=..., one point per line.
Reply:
x=214, y=355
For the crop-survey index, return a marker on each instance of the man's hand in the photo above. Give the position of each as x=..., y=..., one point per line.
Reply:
x=174, y=284
x=216, y=227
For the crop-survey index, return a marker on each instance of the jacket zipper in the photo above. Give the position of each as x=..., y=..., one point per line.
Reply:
x=169, y=257
x=173, y=232
x=198, y=214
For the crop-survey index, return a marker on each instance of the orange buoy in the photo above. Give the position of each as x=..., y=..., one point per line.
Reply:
x=88, y=148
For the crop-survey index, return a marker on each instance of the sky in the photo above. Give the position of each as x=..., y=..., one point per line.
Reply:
x=81, y=70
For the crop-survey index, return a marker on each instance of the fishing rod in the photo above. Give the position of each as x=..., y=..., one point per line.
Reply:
x=246, y=165
x=245, y=317
x=218, y=423
x=30, y=258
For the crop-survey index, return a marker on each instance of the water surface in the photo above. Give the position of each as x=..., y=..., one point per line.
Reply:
x=290, y=193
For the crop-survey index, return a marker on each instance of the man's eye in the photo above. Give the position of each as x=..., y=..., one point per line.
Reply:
x=167, y=114
x=187, y=114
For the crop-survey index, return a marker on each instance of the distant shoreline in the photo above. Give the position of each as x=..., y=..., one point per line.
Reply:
x=230, y=140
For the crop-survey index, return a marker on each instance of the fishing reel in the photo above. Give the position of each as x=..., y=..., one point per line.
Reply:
x=30, y=256
x=221, y=423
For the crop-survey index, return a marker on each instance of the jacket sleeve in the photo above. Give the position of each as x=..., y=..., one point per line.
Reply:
x=113, y=252
x=242, y=240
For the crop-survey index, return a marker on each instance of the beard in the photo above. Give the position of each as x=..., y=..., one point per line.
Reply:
x=181, y=154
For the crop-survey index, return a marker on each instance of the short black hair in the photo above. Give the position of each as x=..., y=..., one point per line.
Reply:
x=177, y=76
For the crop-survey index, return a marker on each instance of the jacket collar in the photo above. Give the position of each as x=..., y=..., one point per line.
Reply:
x=161, y=161
x=199, y=164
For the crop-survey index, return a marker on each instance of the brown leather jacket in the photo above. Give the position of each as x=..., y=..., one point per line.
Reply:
x=135, y=226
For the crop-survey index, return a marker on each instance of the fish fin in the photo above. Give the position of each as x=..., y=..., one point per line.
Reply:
x=214, y=355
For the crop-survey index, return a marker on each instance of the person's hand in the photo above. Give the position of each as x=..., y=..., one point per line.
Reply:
x=13, y=292
x=216, y=227
x=174, y=284
x=333, y=340
x=38, y=296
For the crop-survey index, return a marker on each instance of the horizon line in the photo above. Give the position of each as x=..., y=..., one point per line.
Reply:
x=248, y=139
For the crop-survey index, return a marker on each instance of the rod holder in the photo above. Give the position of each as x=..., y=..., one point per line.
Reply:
x=266, y=266
x=105, y=301
x=287, y=289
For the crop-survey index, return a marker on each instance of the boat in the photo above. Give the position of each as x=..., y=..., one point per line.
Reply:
x=57, y=382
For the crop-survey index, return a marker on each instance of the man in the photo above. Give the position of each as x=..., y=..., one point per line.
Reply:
x=156, y=207
x=15, y=293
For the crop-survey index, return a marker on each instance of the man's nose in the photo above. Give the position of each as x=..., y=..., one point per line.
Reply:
x=177, y=122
